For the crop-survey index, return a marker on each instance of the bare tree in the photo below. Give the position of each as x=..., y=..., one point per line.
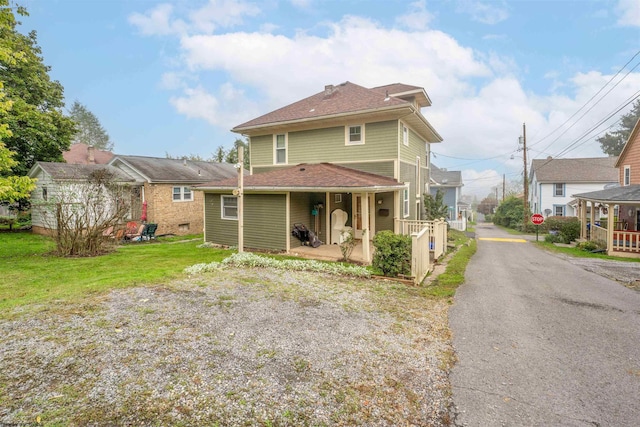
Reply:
x=84, y=213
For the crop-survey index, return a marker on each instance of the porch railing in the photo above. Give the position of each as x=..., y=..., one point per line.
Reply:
x=458, y=224
x=626, y=241
x=436, y=234
x=420, y=257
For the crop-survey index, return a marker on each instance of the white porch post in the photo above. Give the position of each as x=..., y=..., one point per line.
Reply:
x=583, y=219
x=366, y=253
x=327, y=218
x=592, y=218
x=610, y=225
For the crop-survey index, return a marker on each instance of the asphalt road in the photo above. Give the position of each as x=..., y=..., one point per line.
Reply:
x=542, y=342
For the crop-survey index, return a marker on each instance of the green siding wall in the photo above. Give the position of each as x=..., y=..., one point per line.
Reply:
x=300, y=212
x=264, y=222
x=384, y=222
x=218, y=230
x=417, y=147
x=262, y=150
x=408, y=174
x=381, y=168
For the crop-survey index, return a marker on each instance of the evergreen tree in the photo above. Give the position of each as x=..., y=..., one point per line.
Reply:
x=88, y=127
x=613, y=143
x=434, y=206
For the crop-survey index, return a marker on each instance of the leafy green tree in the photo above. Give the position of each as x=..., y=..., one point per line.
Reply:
x=232, y=155
x=12, y=187
x=434, y=207
x=220, y=154
x=509, y=213
x=88, y=127
x=487, y=205
x=613, y=143
x=39, y=129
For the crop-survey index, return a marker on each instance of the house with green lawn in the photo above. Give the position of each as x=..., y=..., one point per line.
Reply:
x=348, y=158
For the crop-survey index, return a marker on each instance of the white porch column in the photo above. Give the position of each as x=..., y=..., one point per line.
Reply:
x=610, y=225
x=592, y=218
x=327, y=218
x=366, y=232
x=583, y=218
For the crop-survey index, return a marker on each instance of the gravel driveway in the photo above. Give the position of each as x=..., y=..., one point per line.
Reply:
x=254, y=347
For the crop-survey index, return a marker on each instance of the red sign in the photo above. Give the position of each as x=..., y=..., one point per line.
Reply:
x=537, y=219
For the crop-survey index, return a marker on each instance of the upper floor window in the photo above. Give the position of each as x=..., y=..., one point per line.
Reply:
x=558, y=190
x=45, y=194
x=280, y=149
x=405, y=135
x=229, y=206
x=355, y=135
x=627, y=175
x=181, y=194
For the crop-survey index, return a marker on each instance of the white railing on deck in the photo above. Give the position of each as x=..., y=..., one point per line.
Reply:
x=626, y=241
x=420, y=257
x=436, y=234
x=458, y=224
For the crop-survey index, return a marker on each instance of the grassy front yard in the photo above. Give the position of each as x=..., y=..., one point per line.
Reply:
x=31, y=275
x=130, y=339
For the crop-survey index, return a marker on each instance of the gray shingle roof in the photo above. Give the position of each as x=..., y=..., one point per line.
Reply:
x=626, y=194
x=596, y=169
x=445, y=177
x=158, y=169
x=72, y=172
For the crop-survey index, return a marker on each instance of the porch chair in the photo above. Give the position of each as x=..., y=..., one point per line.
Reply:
x=149, y=232
x=136, y=233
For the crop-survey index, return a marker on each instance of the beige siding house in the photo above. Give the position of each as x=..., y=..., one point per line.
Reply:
x=348, y=154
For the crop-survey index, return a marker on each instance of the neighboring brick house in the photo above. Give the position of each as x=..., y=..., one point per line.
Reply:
x=165, y=186
x=554, y=181
x=620, y=204
x=347, y=156
x=450, y=184
x=83, y=154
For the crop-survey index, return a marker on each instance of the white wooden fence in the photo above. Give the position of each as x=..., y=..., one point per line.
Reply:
x=458, y=224
x=421, y=232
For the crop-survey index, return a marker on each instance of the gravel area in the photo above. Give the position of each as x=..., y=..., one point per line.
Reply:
x=625, y=272
x=239, y=347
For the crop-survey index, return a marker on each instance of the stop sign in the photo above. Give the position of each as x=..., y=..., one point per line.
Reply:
x=537, y=219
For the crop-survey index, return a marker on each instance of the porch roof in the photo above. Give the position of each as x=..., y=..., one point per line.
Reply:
x=310, y=177
x=629, y=194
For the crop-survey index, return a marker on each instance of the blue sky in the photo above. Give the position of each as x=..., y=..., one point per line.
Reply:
x=174, y=76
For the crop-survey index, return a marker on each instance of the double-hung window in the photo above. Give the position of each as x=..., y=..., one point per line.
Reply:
x=182, y=194
x=627, y=175
x=355, y=135
x=405, y=135
x=280, y=149
x=558, y=190
x=558, y=210
x=229, y=207
x=405, y=200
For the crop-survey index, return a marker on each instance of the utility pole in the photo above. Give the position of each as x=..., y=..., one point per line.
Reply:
x=523, y=140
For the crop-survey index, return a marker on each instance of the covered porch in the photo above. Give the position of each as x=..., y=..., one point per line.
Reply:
x=621, y=230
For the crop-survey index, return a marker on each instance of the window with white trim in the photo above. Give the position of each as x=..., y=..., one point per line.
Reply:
x=405, y=135
x=280, y=149
x=558, y=210
x=229, y=207
x=558, y=190
x=354, y=135
x=627, y=175
x=405, y=200
x=182, y=194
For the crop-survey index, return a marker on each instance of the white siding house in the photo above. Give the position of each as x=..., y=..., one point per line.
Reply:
x=553, y=181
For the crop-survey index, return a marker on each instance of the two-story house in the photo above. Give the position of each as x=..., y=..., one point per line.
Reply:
x=450, y=184
x=346, y=157
x=554, y=181
x=620, y=204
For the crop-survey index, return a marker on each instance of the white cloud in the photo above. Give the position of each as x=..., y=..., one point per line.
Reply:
x=216, y=13
x=417, y=18
x=486, y=13
x=629, y=11
x=158, y=21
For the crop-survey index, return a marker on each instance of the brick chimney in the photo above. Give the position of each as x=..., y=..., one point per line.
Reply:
x=328, y=89
x=90, y=152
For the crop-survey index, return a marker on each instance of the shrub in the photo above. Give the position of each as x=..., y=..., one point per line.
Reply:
x=587, y=246
x=347, y=246
x=553, y=238
x=393, y=253
x=510, y=213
